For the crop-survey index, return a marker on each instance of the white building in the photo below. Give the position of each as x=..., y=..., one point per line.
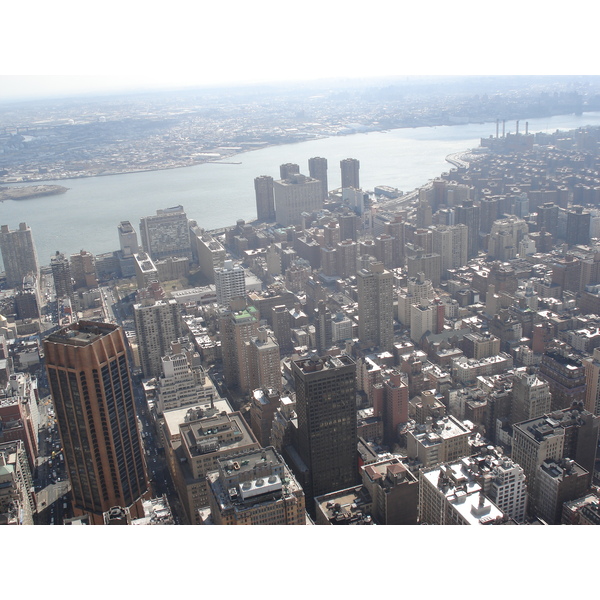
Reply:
x=230, y=282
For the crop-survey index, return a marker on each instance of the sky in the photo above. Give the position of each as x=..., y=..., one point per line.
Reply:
x=69, y=47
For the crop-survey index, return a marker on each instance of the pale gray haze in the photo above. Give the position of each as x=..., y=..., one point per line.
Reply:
x=66, y=47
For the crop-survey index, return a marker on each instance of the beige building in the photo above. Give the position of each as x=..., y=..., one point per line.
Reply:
x=255, y=488
x=201, y=444
x=207, y=251
x=592, y=381
x=263, y=357
x=296, y=195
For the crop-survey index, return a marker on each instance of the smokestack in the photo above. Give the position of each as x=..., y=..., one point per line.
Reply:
x=517, y=127
x=497, y=125
x=503, y=127
x=526, y=127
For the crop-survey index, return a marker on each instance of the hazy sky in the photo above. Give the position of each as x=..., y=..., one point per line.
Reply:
x=67, y=46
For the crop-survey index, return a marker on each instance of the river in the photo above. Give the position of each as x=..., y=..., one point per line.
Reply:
x=216, y=195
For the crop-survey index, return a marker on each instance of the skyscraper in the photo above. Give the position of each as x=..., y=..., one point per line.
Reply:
x=326, y=409
x=376, y=306
x=468, y=214
x=317, y=169
x=157, y=324
x=350, y=167
x=166, y=234
x=18, y=254
x=288, y=169
x=89, y=381
x=61, y=273
x=230, y=282
x=265, y=202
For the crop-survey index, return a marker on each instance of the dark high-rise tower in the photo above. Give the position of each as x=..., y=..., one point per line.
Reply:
x=317, y=169
x=265, y=201
x=326, y=409
x=61, y=273
x=468, y=214
x=350, y=167
x=89, y=380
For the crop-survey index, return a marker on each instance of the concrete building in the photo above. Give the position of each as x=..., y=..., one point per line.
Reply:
x=145, y=270
x=317, y=169
x=263, y=356
x=166, y=234
x=294, y=196
x=350, y=173
x=18, y=254
x=89, y=380
x=230, y=282
x=157, y=323
x=451, y=243
x=375, y=307
x=255, y=488
x=265, y=200
x=326, y=409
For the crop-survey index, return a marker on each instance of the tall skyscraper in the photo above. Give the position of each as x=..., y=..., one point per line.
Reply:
x=157, y=323
x=18, y=254
x=61, y=273
x=128, y=241
x=317, y=169
x=265, y=201
x=326, y=409
x=350, y=168
x=166, y=234
x=89, y=381
x=230, y=282
x=376, y=307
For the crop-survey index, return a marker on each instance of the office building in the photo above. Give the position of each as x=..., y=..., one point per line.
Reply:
x=18, y=254
x=265, y=200
x=238, y=325
x=468, y=214
x=451, y=243
x=200, y=444
x=295, y=195
x=265, y=403
x=128, y=241
x=263, y=358
x=183, y=381
x=565, y=373
x=255, y=488
x=578, y=226
x=83, y=270
x=230, y=282
x=207, y=251
x=350, y=168
x=317, y=169
x=326, y=409
x=569, y=433
x=166, y=234
x=88, y=375
x=375, y=307
x=557, y=482
x=323, y=329
x=145, y=270
x=157, y=324
x=61, y=274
